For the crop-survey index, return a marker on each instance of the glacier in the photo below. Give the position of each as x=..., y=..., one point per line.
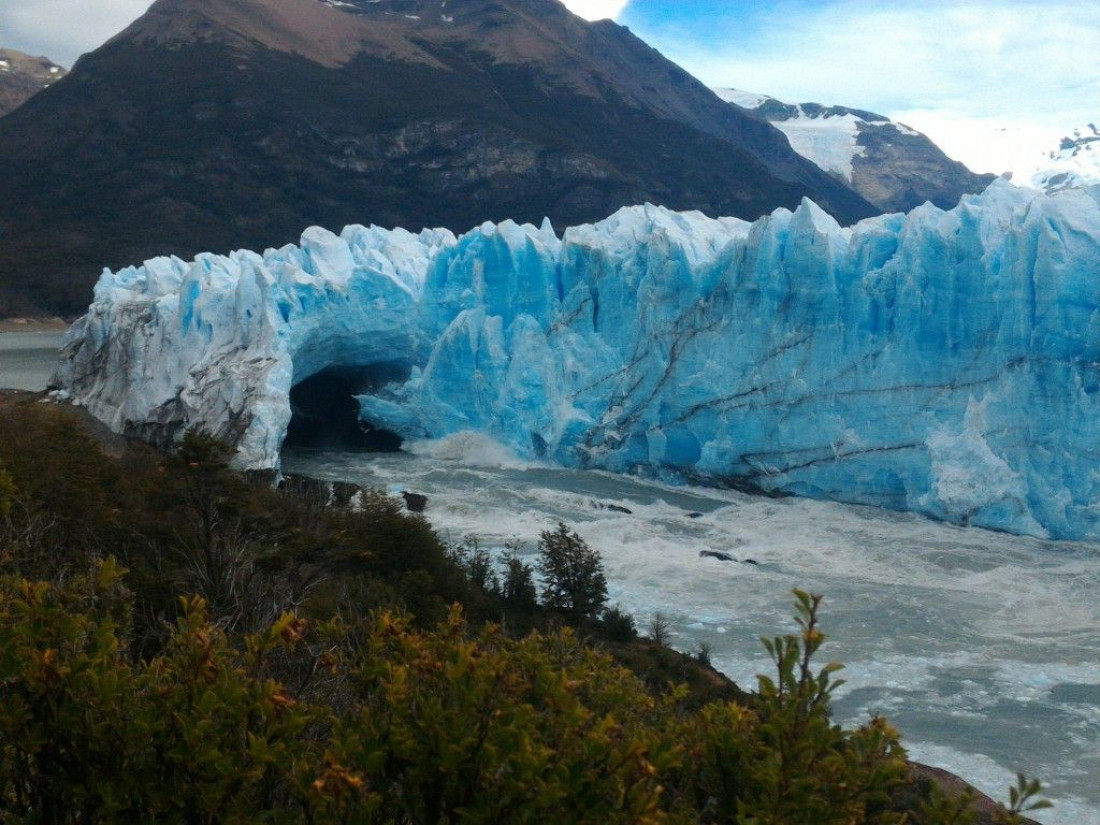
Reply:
x=944, y=362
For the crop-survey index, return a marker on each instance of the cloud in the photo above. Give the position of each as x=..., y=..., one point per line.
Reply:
x=597, y=9
x=64, y=29
x=1024, y=63
x=988, y=144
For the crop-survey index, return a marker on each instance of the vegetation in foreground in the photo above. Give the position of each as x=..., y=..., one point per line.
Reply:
x=178, y=645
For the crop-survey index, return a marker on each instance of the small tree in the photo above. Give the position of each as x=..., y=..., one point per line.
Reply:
x=574, y=581
x=519, y=583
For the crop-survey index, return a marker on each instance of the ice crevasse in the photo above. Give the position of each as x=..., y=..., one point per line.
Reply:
x=946, y=362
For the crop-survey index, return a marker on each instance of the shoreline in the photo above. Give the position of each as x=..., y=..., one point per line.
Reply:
x=52, y=324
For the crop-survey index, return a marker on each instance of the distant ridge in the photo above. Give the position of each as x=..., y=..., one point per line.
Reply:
x=1075, y=163
x=23, y=76
x=219, y=124
x=894, y=167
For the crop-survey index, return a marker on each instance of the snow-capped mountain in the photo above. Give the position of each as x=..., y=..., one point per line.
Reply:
x=23, y=76
x=1075, y=163
x=938, y=361
x=894, y=167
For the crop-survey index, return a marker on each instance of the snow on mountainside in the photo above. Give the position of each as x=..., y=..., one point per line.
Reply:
x=893, y=166
x=942, y=362
x=1075, y=164
x=23, y=76
x=828, y=137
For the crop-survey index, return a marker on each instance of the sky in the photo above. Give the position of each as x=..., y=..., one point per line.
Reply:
x=994, y=82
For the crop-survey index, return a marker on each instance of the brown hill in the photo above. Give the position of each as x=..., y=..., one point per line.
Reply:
x=23, y=76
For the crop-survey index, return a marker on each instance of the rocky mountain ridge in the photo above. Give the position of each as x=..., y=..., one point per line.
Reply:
x=1075, y=163
x=23, y=76
x=893, y=166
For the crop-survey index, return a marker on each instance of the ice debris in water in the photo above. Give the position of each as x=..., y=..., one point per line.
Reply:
x=946, y=362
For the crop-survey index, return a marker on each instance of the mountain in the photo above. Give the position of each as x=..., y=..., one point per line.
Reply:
x=23, y=76
x=217, y=124
x=894, y=167
x=942, y=362
x=1076, y=162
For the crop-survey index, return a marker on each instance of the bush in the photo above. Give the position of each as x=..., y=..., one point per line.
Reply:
x=782, y=760
x=619, y=625
x=119, y=701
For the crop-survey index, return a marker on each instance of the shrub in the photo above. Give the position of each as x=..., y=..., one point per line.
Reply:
x=660, y=629
x=782, y=760
x=619, y=625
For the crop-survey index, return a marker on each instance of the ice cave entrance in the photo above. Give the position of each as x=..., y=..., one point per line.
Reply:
x=325, y=414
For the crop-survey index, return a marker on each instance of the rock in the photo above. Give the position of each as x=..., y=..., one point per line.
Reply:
x=414, y=502
x=694, y=515
x=753, y=562
x=715, y=554
x=342, y=494
x=613, y=508
x=985, y=810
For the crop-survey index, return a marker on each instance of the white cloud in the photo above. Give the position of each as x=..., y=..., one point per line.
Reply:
x=958, y=72
x=597, y=9
x=988, y=144
x=64, y=29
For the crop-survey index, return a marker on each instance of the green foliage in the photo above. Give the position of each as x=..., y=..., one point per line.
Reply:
x=1022, y=799
x=783, y=760
x=87, y=736
x=941, y=808
x=518, y=586
x=189, y=524
x=575, y=583
x=494, y=730
x=619, y=625
x=318, y=673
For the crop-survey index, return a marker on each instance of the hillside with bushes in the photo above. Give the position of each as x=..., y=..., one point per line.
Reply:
x=179, y=643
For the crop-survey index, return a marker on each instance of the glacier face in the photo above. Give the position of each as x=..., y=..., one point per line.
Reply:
x=942, y=362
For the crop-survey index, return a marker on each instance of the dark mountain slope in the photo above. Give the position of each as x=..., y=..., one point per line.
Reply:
x=217, y=124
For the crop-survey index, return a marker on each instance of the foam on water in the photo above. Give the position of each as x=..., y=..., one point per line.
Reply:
x=981, y=647
x=469, y=449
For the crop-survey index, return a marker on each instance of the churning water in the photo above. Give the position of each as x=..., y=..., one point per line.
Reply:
x=982, y=648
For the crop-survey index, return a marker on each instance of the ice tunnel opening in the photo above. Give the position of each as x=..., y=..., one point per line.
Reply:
x=325, y=414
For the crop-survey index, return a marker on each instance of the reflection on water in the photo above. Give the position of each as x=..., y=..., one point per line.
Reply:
x=983, y=648
x=28, y=359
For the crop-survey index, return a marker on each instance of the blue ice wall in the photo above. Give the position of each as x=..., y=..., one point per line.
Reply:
x=942, y=362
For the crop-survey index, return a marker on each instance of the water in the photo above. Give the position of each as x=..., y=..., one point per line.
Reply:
x=27, y=359
x=982, y=648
